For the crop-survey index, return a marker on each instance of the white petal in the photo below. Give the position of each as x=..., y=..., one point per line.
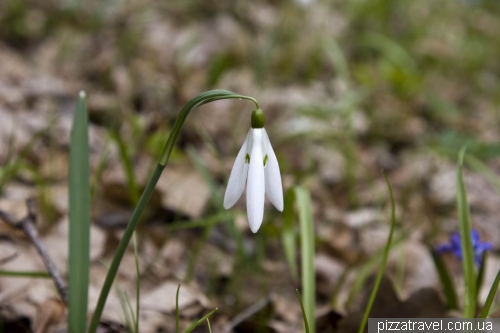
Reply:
x=274, y=189
x=256, y=182
x=238, y=177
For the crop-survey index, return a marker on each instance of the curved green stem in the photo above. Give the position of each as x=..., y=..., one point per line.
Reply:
x=203, y=98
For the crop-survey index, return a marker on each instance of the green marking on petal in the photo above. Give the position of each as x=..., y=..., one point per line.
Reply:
x=265, y=160
x=247, y=159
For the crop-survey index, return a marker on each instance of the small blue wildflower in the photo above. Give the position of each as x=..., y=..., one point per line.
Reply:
x=455, y=246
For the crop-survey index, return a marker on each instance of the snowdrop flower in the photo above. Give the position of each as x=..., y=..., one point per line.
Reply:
x=257, y=166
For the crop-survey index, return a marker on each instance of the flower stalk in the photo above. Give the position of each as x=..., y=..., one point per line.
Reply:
x=203, y=98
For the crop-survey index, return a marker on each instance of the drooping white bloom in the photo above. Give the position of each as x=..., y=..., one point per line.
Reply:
x=257, y=166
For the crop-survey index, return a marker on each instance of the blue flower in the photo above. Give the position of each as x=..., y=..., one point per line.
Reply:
x=455, y=246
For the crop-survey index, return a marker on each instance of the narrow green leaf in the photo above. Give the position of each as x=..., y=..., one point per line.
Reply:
x=288, y=234
x=42, y=275
x=368, y=267
x=491, y=297
x=131, y=312
x=11, y=166
x=304, y=315
x=478, y=166
x=127, y=166
x=125, y=309
x=384, y=260
x=79, y=219
x=221, y=217
x=446, y=280
x=206, y=175
x=480, y=275
x=337, y=57
x=464, y=222
x=194, y=325
x=307, y=246
x=209, y=328
x=196, y=251
x=338, y=287
x=177, y=309
x=216, y=202
x=101, y=166
x=137, y=284
x=399, y=276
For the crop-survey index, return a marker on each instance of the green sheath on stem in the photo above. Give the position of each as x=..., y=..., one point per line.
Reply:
x=203, y=98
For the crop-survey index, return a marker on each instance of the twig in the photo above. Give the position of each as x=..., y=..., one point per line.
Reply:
x=8, y=258
x=27, y=224
x=245, y=314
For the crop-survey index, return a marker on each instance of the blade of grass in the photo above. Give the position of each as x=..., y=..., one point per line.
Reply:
x=338, y=287
x=125, y=309
x=177, y=309
x=384, y=259
x=46, y=208
x=127, y=166
x=131, y=312
x=103, y=160
x=217, y=197
x=307, y=245
x=491, y=297
x=368, y=267
x=196, y=252
x=209, y=328
x=207, y=176
x=464, y=222
x=399, y=276
x=334, y=52
x=79, y=219
x=12, y=165
x=216, y=202
x=480, y=275
x=304, y=315
x=446, y=280
x=288, y=234
x=194, y=325
x=481, y=168
x=42, y=275
x=137, y=284
x=221, y=217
